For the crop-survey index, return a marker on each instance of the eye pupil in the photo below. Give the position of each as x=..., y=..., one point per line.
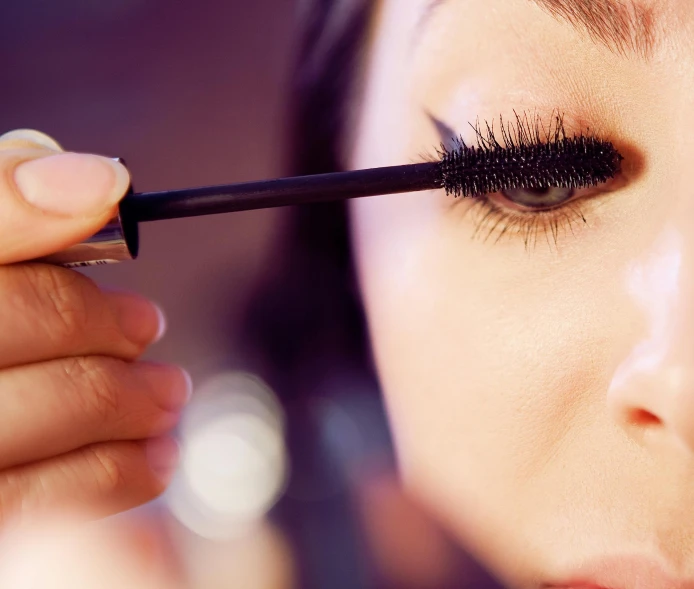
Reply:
x=545, y=197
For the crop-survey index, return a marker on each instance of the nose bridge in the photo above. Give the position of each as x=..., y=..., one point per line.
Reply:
x=661, y=284
x=673, y=265
x=657, y=284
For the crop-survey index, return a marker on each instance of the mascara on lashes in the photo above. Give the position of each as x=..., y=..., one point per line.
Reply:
x=529, y=212
x=530, y=156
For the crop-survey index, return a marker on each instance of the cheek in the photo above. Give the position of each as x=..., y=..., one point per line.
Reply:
x=487, y=363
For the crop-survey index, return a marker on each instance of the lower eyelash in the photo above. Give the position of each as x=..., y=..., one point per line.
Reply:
x=492, y=219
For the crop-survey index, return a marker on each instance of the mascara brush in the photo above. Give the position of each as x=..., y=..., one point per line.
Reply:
x=461, y=170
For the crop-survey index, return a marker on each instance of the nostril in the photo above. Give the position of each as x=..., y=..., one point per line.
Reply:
x=643, y=418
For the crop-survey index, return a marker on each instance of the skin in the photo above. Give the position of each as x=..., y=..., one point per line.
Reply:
x=542, y=398
x=111, y=554
x=83, y=422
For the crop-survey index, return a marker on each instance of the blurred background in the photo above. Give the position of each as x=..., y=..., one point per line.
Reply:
x=278, y=487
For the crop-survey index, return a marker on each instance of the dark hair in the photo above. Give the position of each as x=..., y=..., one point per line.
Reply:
x=306, y=321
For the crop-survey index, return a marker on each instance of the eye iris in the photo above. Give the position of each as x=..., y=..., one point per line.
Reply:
x=539, y=198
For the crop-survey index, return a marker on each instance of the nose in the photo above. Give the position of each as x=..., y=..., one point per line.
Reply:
x=651, y=394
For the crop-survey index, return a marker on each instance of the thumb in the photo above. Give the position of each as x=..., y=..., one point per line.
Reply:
x=50, y=199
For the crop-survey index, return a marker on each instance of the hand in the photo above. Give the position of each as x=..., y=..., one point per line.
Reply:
x=81, y=421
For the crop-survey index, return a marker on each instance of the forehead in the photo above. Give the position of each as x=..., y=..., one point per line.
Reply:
x=670, y=22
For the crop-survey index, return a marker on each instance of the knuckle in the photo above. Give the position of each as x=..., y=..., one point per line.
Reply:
x=63, y=298
x=98, y=382
x=108, y=468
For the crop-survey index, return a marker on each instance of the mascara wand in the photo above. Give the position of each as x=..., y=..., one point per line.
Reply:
x=461, y=170
x=211, y=200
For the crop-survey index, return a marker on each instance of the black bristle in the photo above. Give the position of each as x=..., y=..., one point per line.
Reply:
x=531, y=157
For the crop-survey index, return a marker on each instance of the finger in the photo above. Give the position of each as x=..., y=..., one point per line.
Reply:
x=52, y=408
x=49, y=312
x=109, y=477
x=50, y=200
x=27, y=139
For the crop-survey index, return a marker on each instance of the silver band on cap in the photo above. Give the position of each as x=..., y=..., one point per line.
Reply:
x=115, y=243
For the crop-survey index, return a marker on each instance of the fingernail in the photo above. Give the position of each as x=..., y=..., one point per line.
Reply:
x=163, y=454
x=171, y=386
x=72, y=184
x=161, y=320
x=140, y=320
x=32, y=136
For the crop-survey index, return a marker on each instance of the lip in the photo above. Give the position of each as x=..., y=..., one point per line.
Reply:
x=628, y=572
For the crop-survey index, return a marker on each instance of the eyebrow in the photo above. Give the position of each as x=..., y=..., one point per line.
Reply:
x=623, y=26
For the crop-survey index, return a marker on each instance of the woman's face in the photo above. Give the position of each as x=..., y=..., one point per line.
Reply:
x=541, y=393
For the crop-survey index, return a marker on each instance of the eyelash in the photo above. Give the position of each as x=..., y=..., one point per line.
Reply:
x=492, y=217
